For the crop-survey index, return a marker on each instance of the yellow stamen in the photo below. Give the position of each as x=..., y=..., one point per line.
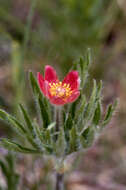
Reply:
x=60, y=90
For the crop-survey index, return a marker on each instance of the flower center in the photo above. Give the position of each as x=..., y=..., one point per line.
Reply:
x=60, y=90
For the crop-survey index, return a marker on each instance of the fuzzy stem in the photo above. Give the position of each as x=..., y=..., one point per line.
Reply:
x=57, y=115
x=59, y=176
x=59, y=181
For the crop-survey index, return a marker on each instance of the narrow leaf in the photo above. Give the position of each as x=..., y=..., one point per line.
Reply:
x=89, y=110
x=109, y=113
x=81, y=108
x=13, y=121
x=6, y=143
x=87, y=138
x=19, y=128
x=91, y=106
x=26, y=118
x=84, y=64
x=43, y=139
x=34, y=85
x=68, y=123
x=73, y=107
x=44, y=113
x=41, y=101
x=74, y=143
x=97, y=114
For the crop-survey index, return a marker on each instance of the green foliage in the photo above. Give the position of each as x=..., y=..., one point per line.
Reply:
x=87, y=137
x=97, y=115
x=41, y=101
x=6, y=143
x=82, y=122
x=109, y=112
x=8, y=169
x=73, y=140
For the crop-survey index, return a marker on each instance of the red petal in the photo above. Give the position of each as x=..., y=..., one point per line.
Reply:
x=42, y=84
x=57, y=101
x=50, y=74
x=72, y=78
x=74, y=96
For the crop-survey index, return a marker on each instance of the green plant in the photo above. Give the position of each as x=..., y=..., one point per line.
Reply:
x=60, y=131
x=8, y=169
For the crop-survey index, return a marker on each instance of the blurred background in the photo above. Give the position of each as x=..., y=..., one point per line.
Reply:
x=34, y=33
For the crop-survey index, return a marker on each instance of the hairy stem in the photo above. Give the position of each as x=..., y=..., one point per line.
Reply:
x=57, y=115
x=59, y=181
x=59, y=176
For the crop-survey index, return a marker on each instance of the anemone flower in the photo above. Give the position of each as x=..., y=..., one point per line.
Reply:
x=59, y=93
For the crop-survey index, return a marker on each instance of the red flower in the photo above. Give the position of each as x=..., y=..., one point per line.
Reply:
x=57, y=92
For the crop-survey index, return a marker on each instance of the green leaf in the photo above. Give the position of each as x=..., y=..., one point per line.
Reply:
x=87, y=137
x=41, y=100
x=73, y=107
x=91, y=103
x=44, y=113
x=35, y=131
x=13, y=121
x=34, y=85
x=97, y=114
x=109, y=113
x=74, y=143
x=19, y=128
x=8, y=169
x=81, y=108
x=85, y=62
x=84, y=65
x=47, y=136
x=43, y=139
x=6, y=143
x=68, y=123
x=26, y=118
x=89, y=110
x=91, y=107
x=37, y=137
x=68, y=126
x=99, y=89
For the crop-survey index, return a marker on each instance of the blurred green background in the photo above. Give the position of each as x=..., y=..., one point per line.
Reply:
x=34, y=33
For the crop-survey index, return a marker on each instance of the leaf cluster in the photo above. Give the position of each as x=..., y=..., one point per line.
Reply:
x=79, y=123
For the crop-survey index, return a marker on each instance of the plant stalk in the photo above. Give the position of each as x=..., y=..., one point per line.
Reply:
x=57, y=119
x=59, y=181
x=59, y=176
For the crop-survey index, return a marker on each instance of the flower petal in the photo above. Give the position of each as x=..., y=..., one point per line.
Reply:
x=42, y=83
x=57, y=101
x=72, y=78
x=50, y=74
x=73, y=97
